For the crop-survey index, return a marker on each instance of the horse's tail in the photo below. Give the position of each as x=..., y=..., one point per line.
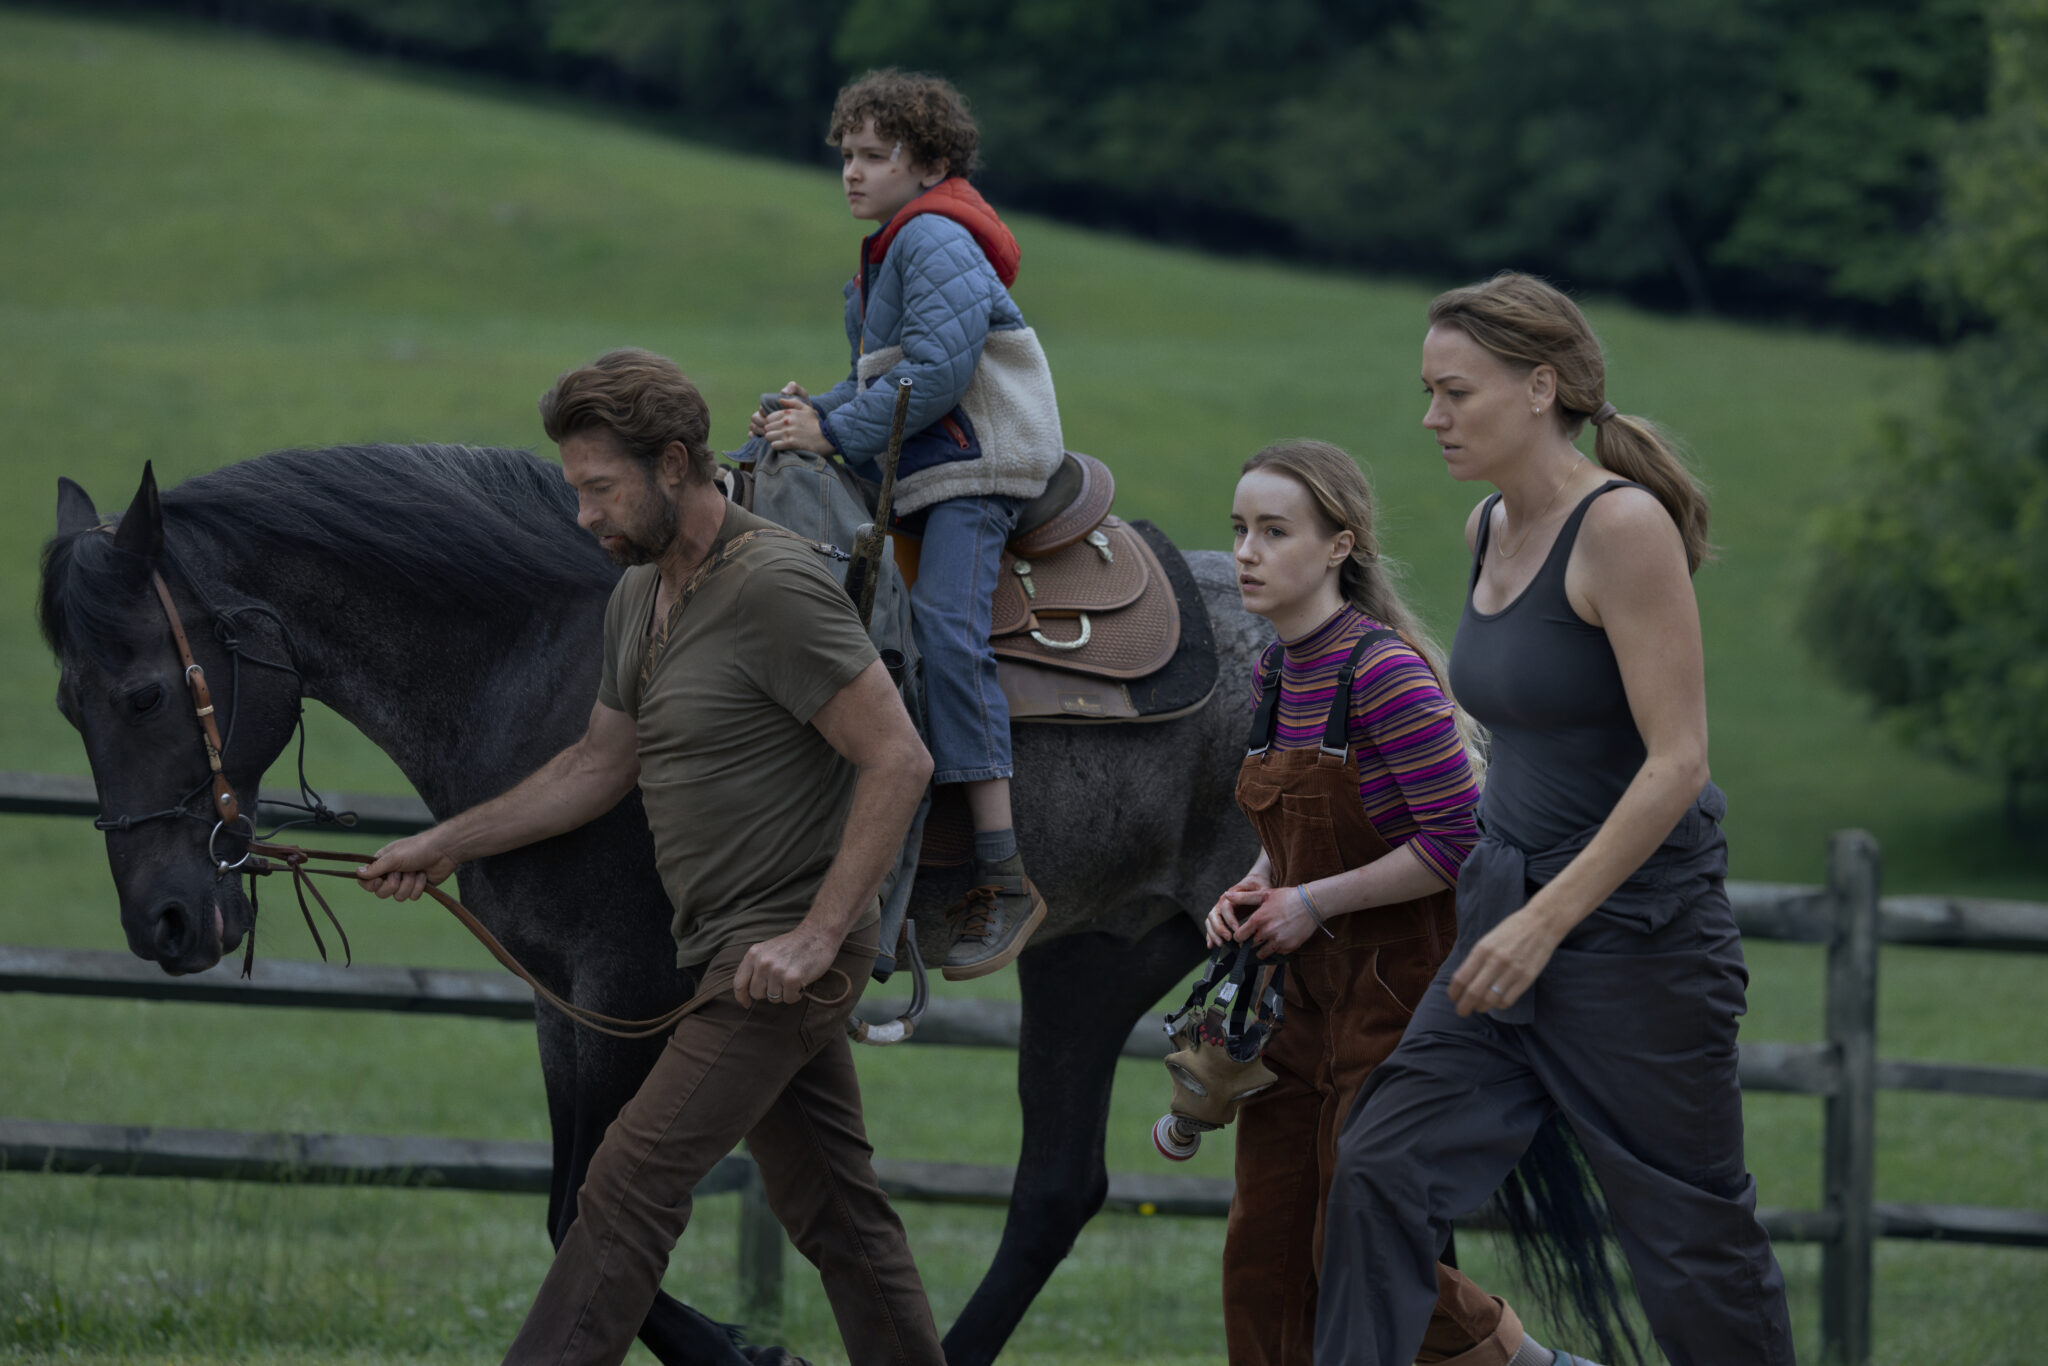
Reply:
x=1557, y=1224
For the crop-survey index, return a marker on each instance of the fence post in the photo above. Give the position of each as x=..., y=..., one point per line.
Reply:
x=1849, y=1147
x=760, y=1255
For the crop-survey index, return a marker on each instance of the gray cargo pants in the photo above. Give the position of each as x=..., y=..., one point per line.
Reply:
x=1633, y=1040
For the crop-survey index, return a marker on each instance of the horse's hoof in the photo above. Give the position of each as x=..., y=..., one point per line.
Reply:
x=1173, y=1143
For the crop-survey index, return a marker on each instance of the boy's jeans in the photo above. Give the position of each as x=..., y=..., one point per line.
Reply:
x=967, y=719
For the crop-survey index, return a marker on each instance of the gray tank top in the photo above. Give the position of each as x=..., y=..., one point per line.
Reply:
x=1546, y=686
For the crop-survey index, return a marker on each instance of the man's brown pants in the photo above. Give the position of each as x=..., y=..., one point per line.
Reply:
x=781, y=1076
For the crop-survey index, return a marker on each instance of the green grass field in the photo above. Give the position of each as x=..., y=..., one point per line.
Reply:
x=212, y=246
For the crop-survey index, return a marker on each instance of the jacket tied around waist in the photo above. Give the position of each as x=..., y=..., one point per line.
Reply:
x=1498, y=878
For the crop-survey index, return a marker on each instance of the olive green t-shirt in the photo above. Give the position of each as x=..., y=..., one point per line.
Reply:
x=746, y=799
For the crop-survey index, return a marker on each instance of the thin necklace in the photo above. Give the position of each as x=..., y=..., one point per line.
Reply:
x=1530, y=530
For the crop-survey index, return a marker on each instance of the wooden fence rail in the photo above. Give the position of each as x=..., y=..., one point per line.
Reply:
x=1809, y=1069
x=1847, y=915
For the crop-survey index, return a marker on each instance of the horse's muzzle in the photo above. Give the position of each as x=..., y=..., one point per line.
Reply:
x=186, y=933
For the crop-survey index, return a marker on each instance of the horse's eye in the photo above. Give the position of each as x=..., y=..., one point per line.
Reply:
x=146, y=700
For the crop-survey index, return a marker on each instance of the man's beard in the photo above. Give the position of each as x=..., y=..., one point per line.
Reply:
x=650, y=538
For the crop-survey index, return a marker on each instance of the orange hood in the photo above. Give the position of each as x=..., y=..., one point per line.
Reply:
x=954, y=198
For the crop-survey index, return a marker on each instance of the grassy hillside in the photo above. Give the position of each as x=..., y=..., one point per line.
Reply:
x=211, y=252
x=212, y=246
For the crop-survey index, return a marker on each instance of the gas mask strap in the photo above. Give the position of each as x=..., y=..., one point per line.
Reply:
x=1244, y=1044
x=1244, y=975
x=1212, y=976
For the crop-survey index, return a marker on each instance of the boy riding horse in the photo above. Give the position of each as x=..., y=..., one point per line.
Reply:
x=930, y=302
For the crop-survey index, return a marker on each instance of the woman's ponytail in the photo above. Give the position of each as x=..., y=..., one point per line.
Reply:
x=1637, y=449
x=1529, y=323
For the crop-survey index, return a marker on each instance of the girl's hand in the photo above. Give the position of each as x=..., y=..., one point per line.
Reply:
x=1504, y=963
x=1220, y=925
x=1279, y=923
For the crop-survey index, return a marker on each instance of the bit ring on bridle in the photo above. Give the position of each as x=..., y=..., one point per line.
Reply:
x=220, y=867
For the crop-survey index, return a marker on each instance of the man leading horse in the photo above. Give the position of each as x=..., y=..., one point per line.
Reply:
x=780, y=773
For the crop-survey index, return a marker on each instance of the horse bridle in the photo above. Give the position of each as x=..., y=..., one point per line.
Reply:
x=225, y=808
x=258, y=853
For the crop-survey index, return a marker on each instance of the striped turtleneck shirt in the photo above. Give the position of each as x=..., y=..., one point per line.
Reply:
x=1413, y=777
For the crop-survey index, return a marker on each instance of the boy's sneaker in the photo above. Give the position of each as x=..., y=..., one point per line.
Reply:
x=992, y=923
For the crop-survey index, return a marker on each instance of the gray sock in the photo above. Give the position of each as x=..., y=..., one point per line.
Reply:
x=1532, y=1353
x=993, y=846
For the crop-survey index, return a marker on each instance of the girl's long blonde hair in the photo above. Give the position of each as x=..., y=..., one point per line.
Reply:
x=1343, y=499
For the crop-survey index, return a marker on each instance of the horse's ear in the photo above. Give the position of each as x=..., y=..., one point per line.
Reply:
x=142, y=526
x=75, y=512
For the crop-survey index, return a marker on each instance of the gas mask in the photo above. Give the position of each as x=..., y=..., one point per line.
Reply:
x=1215, y=1063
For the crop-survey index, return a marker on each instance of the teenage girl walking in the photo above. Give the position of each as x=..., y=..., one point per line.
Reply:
x=1361, y=786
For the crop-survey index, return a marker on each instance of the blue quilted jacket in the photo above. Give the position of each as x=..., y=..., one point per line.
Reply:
x=936, y=296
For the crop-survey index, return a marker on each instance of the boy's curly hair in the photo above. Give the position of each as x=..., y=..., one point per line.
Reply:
x=923, y=112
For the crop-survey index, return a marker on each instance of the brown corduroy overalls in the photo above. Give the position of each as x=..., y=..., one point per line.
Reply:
x=1348, y=999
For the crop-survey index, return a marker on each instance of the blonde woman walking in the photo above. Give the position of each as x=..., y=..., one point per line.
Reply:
x=1599, y=973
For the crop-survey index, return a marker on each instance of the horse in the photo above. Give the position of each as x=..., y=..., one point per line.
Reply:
x=442, y=600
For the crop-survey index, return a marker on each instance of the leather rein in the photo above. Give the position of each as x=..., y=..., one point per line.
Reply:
x=261, y=857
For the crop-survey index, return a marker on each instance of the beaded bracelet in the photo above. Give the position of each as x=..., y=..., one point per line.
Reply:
x=1313, y=913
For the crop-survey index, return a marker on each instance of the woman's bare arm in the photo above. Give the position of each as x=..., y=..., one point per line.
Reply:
x=1628, y=575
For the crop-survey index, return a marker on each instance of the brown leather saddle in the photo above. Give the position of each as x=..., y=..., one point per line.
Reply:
x=1083, y=604
x=1095, y=620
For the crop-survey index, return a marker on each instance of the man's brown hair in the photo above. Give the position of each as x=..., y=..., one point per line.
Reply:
x=923, y=112
x=644, y=400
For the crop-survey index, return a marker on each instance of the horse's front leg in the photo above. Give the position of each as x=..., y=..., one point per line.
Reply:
x=1082, y=993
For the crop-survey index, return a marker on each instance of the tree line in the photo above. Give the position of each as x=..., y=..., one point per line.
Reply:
x=1931, y=593
x=1775, y=157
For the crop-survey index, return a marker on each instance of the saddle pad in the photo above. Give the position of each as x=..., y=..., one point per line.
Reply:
x=1036, y=693
x=1067, y=582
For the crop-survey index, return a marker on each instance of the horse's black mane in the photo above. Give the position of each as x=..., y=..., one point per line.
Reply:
x=460, y=528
